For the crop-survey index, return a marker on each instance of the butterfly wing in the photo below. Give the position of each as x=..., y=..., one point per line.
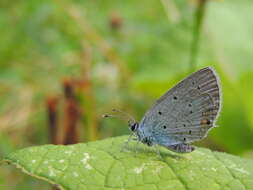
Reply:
x=186, y=112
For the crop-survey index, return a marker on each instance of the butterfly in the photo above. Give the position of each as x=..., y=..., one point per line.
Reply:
x=184, y=114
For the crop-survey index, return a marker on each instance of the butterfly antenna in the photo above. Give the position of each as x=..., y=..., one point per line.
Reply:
x=127, y=115
x=111, y=115
x=123, y=116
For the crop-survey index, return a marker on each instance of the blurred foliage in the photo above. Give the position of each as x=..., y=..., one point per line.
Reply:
x=130, y=52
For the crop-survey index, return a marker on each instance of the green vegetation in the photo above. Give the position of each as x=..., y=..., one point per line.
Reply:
x=76, y=60
x=101, y=164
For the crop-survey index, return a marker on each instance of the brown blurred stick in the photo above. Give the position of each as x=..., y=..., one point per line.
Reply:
x=71, y=114
x=67, y=132
x=52, y=103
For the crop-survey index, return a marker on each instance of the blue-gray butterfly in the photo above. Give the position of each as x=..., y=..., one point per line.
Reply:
x=184, y=114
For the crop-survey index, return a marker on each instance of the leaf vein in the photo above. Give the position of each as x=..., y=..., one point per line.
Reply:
x=227, y=168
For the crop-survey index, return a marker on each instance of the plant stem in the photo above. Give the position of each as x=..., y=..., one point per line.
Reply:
x=71, y=114
x=198, y=21
x=52, y=104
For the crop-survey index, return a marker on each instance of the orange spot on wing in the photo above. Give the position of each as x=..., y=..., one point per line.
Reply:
x=205, y=122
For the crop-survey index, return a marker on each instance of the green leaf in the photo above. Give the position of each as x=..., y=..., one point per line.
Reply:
x=101, y=165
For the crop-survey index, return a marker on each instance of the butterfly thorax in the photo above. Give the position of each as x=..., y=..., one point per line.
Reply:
x=143, y=135
x=144, y=139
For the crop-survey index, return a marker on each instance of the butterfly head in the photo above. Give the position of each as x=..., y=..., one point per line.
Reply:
x=133, y=126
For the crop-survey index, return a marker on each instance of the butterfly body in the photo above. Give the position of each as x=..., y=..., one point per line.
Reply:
x=182, y=115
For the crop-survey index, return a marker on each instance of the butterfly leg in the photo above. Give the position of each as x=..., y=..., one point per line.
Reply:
x=181, y=148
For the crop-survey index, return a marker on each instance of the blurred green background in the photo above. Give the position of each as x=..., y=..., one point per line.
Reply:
x=117, y=54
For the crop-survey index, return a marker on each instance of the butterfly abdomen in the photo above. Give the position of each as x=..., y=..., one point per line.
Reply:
x=181, y=148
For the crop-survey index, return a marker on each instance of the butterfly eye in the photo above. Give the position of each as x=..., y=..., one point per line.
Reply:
x=133, y=127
